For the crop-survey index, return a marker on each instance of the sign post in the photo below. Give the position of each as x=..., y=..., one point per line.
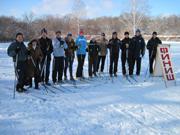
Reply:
x=163, y=64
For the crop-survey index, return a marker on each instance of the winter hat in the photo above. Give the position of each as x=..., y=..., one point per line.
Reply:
x=19, y=34
x=114, y=33
x=81, y=31
x=44, y=30
x=69, y=34
x=58, y=31
x=102, y=34
x=138, y=31
x=93, y=37
x=154, y=33
x=126, y=33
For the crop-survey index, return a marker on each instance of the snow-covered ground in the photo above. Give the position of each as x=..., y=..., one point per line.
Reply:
x=107, y=109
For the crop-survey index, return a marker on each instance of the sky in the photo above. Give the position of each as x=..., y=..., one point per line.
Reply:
x=94, y=8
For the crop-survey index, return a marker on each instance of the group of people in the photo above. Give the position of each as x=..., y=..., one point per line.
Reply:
x=38, y=53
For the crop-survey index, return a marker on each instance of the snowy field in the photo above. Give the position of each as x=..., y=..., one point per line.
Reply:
x=107, y=109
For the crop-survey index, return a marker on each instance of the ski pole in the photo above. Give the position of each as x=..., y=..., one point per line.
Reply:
x=16, y=75
x=149, y=62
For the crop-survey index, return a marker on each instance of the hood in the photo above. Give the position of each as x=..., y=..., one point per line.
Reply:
x=30, y=43
x=66, y=39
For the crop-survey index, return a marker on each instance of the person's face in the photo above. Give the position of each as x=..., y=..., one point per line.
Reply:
x=19, y=38
x=93, y=39
x=44, y=35
x=114, y=36
x=81, y=34
x=34, y=43
x=154, y=36
x=137, y=34
x=69, y=37
x=126, y=35
x=58, y=35
x=102, y=37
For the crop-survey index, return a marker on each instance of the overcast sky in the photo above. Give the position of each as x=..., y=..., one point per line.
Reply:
x=95, y=8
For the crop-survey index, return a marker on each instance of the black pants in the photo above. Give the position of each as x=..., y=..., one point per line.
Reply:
x=68, y=63
x=22, y=74
x=138, y=65
x=58, y=67
x=35, y=81
x=129, y=63
x=47, y=70
x=92, y=62
x=113, y=60
x=79, y=72
x=102, y=60
x=151, y=61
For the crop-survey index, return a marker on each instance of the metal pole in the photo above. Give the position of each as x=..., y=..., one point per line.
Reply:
x=16, y=75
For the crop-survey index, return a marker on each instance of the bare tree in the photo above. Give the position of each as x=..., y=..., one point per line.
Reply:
x=133, y=13
x=78, y=12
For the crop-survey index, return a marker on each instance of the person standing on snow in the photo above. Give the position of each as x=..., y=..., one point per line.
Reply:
x=127, y=51
x=103, y=42
x=69, y=52
x=46, y=48
x=59, y=45
x=81, y=42
x=93, y=49
x=114, y=46
x=33, y=62
x=18, y=50
x=152, y=47
x=139, y=50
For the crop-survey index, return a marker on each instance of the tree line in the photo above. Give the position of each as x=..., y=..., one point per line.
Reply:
x=31, y=24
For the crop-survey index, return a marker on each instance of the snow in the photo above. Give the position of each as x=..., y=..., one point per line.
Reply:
x=108, y=109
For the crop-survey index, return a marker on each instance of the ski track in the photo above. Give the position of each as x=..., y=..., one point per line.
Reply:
x=108, y=109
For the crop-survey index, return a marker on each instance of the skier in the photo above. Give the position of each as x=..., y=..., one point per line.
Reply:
x=139, y=50
x=69, y=52
x=93, y=49
x=152, y=47
x=127, y=47
x=114, y=47
x=46, y=48
x=59, y=45
x=18, y=51
x=81, y=42
x=103, y=42
x=33, y=62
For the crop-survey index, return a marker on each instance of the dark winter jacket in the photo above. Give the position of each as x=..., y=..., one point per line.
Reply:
x=37, y=53
x=131, y=46
x=152, y=45
x=140, y=47
x=114, y=44
x=22, y=54
x=93, y=48
x=45, y=44
x=71, y=47
x=103, y=47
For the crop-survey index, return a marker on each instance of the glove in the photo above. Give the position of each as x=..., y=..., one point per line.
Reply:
x=17, y=49
x=61, y=42
x=141, y=56
x=79, y=44
x=38, y=60
x=28, y=52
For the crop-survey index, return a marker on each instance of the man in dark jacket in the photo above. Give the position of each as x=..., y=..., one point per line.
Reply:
x=47, y=49
x=152, y=47
x=114, y=46
x=103, y=42
x=69, y=52
x=127, y=53
x=139, y=50
x=93, y=49
x=18, y=50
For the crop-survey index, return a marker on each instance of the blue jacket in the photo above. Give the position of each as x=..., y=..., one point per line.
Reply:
x=139, y=44
x=82, y=48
